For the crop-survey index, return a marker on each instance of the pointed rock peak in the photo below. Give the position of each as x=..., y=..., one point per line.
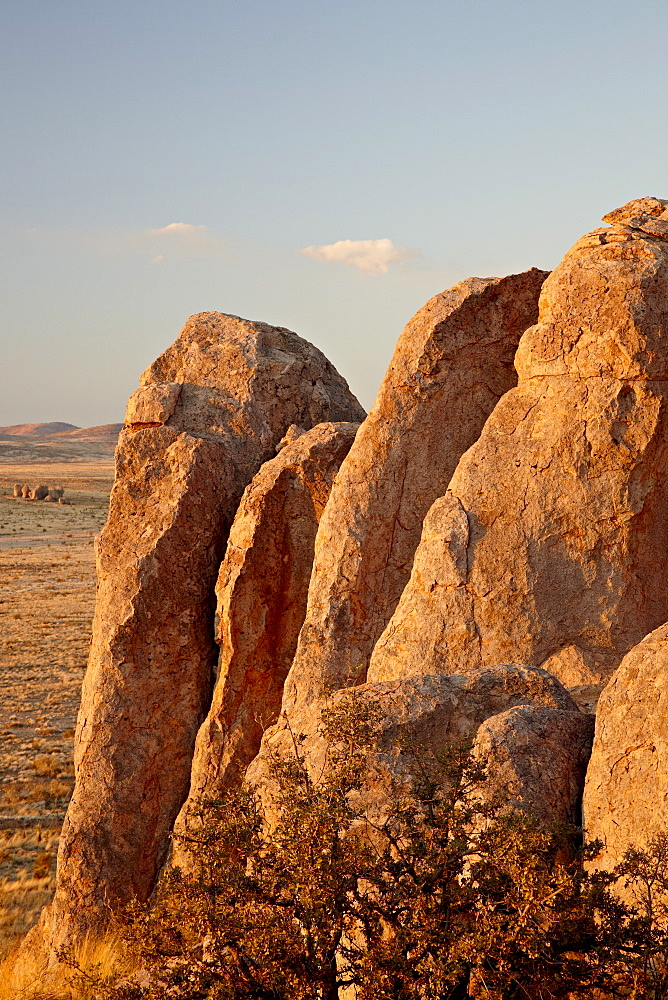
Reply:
x=657, y=207
x=649, y=214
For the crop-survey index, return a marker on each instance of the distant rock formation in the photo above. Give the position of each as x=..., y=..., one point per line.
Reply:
x=545, y=545
x=46, y=493
x=207, y=414
x=453, y=361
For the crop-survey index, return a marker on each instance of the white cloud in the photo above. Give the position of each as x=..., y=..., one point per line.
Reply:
x=178, y=229
x=368, y=256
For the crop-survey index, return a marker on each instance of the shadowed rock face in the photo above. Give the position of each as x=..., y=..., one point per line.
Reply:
x=546, y=541
x=514, y=710
x=207, y=414
x=536, y=758
x=453, y=361
x=627, y=780
x=262, y=588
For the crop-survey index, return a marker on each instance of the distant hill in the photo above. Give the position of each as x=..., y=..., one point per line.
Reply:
x=38, y=430
x=103, y=432
x=57, y=430
x=57, y=442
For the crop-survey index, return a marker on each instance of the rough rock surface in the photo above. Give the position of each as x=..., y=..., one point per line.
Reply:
x=433, y=710
x=208, y=413
x=291, y=435
x=262, y=588
x=453, y=361
x=548, y=535
x=536, y=758
x=627, y=779
x=579, y=671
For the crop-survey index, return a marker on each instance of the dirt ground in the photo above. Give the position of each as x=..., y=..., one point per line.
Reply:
x=22, y=451
x=47, y=592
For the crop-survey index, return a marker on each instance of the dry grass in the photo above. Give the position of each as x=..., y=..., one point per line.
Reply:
x=97, y=959
x=26, y=881
x=47, y=590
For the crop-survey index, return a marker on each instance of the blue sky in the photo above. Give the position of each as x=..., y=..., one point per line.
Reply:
x=478, y=136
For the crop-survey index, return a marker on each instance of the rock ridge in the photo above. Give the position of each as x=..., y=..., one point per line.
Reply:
x=544, y=541
x=478, y=559
x=261, y=590
x=452, y=363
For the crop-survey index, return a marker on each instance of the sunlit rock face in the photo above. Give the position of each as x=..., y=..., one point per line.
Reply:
x=548, y=535
x=485, y=522
x=207, y=414
x=453, y=361
x=627, y=780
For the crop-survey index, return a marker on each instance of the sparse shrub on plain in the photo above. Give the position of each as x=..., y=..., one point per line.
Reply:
x=43, y=865
x=58, y=791
x=51, y=793
x=48, y=765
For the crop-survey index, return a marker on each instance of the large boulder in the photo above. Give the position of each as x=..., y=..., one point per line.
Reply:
x=536, y=758
x=434, y=711
x=453, y=361
x=261, y=590
x=544, y=546
x=627, y=779
x=207, y=414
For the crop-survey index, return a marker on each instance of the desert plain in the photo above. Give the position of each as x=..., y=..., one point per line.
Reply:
x=47, y=593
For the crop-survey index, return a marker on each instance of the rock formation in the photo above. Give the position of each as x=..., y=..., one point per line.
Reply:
x=207, y=414
x=434, y=711
x=627, y=780
x=38, y=493
x=262, y=588
x=545, y=544
x=291, y=435
x=453, y=361
x=536, y=758
x=477, y=522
